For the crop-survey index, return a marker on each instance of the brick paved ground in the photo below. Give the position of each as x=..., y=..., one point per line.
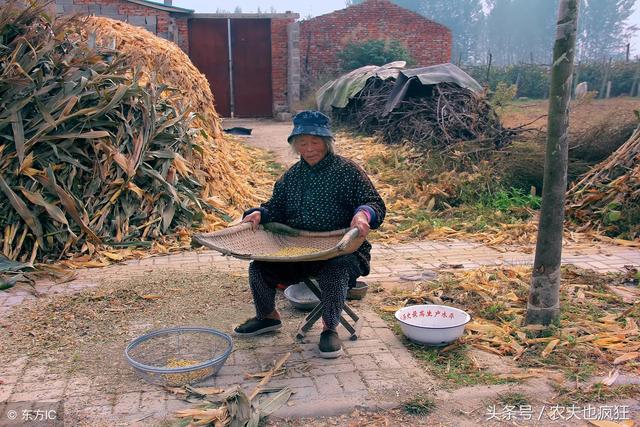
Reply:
x=375, y=371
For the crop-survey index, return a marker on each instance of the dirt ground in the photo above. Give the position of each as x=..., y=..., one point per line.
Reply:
x=267, y=135
x=83, y=334
x=582, y=115
x=468, y=405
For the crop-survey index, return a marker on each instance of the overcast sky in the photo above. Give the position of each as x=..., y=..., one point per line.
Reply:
x=320, y=7
x=303, y=7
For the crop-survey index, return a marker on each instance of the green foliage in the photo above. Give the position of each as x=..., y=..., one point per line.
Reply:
x=521, y=30
x=372, y=52
x=506, y=200
x=602, y=29
x=419, y=405
x=517, y=31
x=503, y=94
x=532, y=81
x=453, y=366
x=621, y=75
x=513, y=398
x=496, y=312
x=465, y=19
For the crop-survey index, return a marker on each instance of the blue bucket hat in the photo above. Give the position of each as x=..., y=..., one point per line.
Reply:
x=310, y=123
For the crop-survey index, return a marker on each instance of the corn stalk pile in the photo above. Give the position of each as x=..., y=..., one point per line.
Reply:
x=221, y=165
x=88, y=155
x=430, y=116
x=159, y=60
x=607, y=199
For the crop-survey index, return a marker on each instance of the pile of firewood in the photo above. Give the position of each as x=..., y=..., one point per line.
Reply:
x=436, y=115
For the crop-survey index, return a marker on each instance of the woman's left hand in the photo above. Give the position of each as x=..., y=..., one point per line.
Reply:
x=361, y=222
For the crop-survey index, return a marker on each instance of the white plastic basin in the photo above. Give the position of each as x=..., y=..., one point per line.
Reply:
x=432, y=324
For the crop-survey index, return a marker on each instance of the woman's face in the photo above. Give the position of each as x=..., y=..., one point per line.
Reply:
x=311, y=148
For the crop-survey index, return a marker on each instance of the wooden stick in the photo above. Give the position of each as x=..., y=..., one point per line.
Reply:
x=267, y=377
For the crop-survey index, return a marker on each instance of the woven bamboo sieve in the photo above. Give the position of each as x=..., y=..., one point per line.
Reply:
x=268, y=240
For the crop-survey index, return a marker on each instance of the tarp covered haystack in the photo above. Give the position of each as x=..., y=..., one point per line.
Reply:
x=89, y=153
x=337, y=93
x=607, y=198
x=431, y=106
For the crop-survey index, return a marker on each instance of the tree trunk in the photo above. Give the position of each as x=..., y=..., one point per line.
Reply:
x=544, y=296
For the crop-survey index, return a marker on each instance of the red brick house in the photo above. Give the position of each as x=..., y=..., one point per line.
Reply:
x=255, y=63
x=322, y=37
x=256, y=83
x=165, y=20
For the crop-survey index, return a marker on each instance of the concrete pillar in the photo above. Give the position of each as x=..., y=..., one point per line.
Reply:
x=293, y=65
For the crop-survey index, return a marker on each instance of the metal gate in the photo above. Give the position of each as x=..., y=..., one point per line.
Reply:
x=235, y=56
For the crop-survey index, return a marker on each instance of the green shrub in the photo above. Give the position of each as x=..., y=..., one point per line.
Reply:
x=532, y=81
x=514, y=198
x=372, y=52
x=503, y=94
x=419, y=405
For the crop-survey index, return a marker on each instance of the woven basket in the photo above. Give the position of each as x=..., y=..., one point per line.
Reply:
x=264, y=244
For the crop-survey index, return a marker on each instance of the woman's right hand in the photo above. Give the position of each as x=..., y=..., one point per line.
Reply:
x=253, y=218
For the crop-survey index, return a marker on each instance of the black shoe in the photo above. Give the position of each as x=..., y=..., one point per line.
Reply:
x=255, y=326
x=330, y=346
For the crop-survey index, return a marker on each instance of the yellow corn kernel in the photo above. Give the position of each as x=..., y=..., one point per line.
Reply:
x=294, y=251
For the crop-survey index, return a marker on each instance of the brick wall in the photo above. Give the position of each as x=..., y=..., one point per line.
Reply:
x=279, y=63
x=322, y=37
x=171, y=26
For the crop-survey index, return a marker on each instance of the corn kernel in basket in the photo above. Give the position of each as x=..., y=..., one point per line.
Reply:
x=294, y=251
x=185, y=377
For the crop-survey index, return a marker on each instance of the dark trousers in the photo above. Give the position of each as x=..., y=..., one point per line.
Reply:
x=334, y=277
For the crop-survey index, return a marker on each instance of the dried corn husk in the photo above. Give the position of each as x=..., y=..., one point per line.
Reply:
x=223, y=164
x=607, y=199
x=97, y=151
x=407, y=184
x=504, y=292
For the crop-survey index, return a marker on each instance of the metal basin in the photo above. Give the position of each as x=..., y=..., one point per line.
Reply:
x=301, y=297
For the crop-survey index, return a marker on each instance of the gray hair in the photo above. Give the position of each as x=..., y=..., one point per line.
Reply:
x=328, y=141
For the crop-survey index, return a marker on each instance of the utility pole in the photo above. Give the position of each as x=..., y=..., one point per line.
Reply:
x=605, y=79
x=628, y=46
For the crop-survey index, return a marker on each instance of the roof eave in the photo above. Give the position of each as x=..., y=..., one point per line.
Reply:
x=159, y=6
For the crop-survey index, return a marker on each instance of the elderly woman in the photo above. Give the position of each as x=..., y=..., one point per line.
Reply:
x=321, y=192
